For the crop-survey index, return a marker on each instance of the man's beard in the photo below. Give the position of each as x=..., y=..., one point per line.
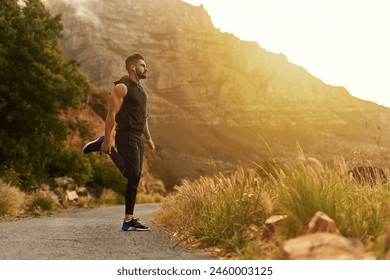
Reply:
x=141, y=75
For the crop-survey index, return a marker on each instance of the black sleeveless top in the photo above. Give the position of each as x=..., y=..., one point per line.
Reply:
x=132, y=114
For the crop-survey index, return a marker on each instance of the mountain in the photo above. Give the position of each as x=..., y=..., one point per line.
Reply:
x=216, y=100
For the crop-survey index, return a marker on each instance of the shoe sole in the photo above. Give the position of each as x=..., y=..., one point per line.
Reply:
x=136, y=229
x=89, y=143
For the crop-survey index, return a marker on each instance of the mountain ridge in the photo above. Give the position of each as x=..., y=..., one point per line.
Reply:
x=214, y=98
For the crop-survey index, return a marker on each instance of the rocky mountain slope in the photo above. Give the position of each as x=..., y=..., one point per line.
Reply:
x=216, y=100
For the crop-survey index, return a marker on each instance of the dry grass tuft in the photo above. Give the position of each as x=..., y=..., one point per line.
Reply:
x=41, y=201
x=149, y=198
x=11, y=200
x=110, y=197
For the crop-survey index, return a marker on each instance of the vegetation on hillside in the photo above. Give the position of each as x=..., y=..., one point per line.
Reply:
x=37, y=84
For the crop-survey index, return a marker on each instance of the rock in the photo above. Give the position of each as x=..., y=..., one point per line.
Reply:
x=320, y=223
x=270, y=225
x=66, y=182
x=82, y=191
x=72, y=195
x=321, y=240
x=325, y=246
x=274, y=219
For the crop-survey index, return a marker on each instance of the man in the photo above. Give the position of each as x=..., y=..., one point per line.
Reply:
x=127, y=108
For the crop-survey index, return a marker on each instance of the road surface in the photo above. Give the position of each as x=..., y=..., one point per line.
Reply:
x=89, y=234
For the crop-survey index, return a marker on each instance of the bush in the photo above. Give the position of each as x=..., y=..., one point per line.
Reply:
x=9, y=175
x=84, y=128
x=109, y=197
x=149, y=198
x=43, y=201
x=31, y=129
x=163, y=170
x=11, y=199
x=106, y=175
x=72, y=163
x=217, y=211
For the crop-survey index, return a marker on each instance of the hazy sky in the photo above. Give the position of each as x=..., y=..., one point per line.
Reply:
x=342, y=42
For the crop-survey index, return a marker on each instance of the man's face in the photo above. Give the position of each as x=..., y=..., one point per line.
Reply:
x=141, y=69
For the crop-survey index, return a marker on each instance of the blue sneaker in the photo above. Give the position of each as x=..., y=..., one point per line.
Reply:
x=93, y=146
x=134, y=224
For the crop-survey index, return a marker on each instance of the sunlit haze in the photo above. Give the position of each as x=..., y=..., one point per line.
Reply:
x=342, y=42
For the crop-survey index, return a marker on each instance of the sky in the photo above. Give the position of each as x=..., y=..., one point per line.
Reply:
x=342, y=42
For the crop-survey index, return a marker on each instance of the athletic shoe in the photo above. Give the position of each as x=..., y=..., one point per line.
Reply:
x=93, y=146
x=134, y=224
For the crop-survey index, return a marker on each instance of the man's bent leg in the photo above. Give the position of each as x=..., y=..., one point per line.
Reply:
x=119, y=162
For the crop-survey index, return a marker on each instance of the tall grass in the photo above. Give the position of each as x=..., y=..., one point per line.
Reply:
x=217, y=211
x=360, y=210
x=229, y=211
x=11, y=199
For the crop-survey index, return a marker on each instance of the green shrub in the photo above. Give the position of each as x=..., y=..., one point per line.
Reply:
x=106, y=175
x=163, y=170
x=43, y=201
x=9, y=175
x=72, y=163
x=83, y=127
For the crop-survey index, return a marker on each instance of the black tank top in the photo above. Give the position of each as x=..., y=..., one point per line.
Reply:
x=132, y=114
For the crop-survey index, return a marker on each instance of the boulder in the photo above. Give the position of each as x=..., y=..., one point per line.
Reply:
x=82, y=191
x=66, y=182
x=325, y=246
x=320, y=223
x=72, y=195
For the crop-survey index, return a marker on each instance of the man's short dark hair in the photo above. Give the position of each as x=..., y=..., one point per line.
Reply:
x=133, y=59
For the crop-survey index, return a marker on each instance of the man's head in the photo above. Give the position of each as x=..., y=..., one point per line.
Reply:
x=136, y=66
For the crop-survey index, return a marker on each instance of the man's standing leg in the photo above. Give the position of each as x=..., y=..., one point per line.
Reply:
x=131, y=149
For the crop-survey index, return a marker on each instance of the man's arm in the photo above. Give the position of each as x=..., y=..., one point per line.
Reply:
x=114, y=104
x=148, y=137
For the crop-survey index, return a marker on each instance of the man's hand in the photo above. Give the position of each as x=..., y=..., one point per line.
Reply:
x=151, y=145
x=106, y=146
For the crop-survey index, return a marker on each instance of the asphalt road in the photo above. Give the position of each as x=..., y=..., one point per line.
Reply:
x=89, y=234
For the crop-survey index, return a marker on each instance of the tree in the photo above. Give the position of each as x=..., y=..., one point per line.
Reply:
x=36, y=86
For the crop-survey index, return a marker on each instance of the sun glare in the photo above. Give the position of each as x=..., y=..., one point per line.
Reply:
x=343, y=43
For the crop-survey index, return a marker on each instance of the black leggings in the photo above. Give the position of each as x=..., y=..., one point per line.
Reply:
x=128, y=159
